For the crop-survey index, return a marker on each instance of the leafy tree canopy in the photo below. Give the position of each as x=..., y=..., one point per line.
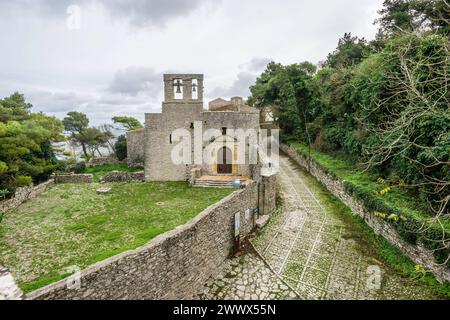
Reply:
x=401, y=16
x=128, y=123
x=121, y=147
x=349, y=52
x=284, y=88
x=26, y=151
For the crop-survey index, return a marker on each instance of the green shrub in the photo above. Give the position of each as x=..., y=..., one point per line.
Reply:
x=3, y=194
x=80, y=167
x=121, y=147
x=23, y=181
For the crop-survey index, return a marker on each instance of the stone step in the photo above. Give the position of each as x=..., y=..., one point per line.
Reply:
x=262, y=221
x=213, y=184
x=216, y=182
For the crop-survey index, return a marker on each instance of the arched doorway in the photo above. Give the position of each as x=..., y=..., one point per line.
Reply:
x=224, y=161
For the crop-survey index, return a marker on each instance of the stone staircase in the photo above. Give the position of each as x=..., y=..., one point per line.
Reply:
x=213, y=184
x=217, y=181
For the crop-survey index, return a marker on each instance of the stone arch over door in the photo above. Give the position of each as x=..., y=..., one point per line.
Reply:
x=224, y=160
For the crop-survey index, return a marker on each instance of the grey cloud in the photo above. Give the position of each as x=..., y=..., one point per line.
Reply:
x=134, y=80
x=257, y=64
x=133, y=91
x=46, y=101
x=98, y=109
x=241, y=86
x=152, y=12
x=120, y=99
x=141, y=13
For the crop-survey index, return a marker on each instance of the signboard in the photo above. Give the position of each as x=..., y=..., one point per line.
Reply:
x=237, y=224
x=247, y=214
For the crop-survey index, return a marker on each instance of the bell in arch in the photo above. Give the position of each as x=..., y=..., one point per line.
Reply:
x=194, y=86
x=178, y=85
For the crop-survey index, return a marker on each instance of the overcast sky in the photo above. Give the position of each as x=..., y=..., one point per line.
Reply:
x=113, y=64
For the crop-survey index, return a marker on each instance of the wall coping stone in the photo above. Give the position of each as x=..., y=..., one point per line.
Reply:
x=23, y=194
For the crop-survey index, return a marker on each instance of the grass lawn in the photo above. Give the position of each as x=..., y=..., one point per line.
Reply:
x=100, y=171
x=72, y=225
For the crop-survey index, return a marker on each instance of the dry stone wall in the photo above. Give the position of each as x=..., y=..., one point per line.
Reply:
x=174, y=265
x=73, y=178
x=268, y=193
x=103, y=161
x=417, y=253
x=117, y=176
x=135, y=148
x=22, y=195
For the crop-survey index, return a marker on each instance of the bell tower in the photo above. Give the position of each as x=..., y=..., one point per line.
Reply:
x=183, y=88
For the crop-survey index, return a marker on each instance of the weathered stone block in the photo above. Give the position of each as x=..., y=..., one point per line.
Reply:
x=22, y=195
x=8, y=287
x=117, y=176
x=104, y=190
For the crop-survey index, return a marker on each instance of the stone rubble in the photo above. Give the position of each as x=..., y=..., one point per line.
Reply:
x=8, y=287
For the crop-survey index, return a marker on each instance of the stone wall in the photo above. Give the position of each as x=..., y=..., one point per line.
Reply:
x=231, y=121
x=193, y=173
x=268, y=194
x=174, y=265
x=135, y=148
x=8, y=286
x=102, y=161
x=23, y=194
x=73, y=178
x=117, y=176
x=416, y=252
x=159, y=143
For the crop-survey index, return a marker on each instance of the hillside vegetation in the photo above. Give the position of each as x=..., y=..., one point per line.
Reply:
x=381, y=106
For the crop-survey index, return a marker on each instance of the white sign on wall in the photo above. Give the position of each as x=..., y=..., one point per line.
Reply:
x=247, y=214
x=237, y=224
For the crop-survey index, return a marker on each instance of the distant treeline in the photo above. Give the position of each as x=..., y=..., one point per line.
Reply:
x=34, y=145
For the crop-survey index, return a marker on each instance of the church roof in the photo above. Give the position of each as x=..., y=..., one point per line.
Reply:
x=236, y=104
x=234, y=108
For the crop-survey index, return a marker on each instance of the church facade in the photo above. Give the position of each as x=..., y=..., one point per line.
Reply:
x=183, y=108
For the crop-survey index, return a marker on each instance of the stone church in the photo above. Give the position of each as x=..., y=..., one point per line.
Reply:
x=181, y=108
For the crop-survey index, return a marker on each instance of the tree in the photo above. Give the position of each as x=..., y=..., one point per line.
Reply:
x=403, y=16
x=27, y=152
x=405, y=110
x=284, y=88
x=76, y=124
x=349, y=52
x=14, y=108
x=109, y=137
x=93, y=139
x=127, y=123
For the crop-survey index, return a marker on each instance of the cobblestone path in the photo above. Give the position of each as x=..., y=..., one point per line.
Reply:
x=309, y=254
x=249, y=278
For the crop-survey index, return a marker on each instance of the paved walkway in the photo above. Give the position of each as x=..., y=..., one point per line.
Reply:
x=309, y=253
x=249, y=278
x=305, y=246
